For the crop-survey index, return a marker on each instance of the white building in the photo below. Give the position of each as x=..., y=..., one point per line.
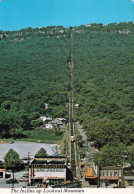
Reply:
x=48, y=170
x=49, y=126
x=44, y=118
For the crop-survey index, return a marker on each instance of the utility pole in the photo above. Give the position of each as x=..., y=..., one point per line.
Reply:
x=13, y=179
x=98, y=173
x=28, y=167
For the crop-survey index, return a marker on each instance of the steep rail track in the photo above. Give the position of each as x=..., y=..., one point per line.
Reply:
x=71, y=115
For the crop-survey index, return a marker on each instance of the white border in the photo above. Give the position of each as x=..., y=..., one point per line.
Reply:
x=67, y=191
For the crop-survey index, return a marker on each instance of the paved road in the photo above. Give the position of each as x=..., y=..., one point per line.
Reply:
x=82, y=132
x=17, y=175
x=87, y=144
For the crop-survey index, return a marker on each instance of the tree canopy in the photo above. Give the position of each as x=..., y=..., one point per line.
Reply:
x=41, y=153
x=12, y=160
x=34, y=71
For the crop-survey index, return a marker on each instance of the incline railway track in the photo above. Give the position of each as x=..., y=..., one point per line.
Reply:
x=71, y=115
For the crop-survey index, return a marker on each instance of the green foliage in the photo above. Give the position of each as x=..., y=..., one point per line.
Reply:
x=34, y=116
x=41, y=153
x=131, y=156
x=6, y=104
x=12, y=160
x=103, y=84
x=41, y=135
x=111, y=155
x=37, y=123
x=34, y=72
x=58, y=131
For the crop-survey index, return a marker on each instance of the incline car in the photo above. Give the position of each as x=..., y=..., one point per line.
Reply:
x=72, y=138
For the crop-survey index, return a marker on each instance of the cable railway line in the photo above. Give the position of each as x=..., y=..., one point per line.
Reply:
x=71, y=115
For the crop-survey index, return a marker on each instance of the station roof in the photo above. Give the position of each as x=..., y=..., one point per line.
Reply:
x=47, y=162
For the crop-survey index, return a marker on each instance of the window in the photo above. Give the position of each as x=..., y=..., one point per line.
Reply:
x=116, y=173
x=112, y=174
x=105, y=173
x=101, y=173
x=42, y=169
x=130, y=183
x=37, y=169
x=119, y=172
x=108, y=173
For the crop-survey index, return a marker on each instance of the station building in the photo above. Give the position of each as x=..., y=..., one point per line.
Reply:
x=47, y=170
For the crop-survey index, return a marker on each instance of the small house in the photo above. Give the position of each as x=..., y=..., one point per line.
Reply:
x=49, y=126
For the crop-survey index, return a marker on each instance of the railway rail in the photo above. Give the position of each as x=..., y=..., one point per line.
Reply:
x=71, y=115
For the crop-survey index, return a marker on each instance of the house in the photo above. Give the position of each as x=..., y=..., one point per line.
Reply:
x=2, y=170
x=111, y=176
x=47, y=170
x=45, y=118
x=49, y=126
x=61, y=120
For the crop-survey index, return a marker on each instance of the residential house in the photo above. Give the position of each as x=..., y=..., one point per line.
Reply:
x=46, y=119
x=49, y=126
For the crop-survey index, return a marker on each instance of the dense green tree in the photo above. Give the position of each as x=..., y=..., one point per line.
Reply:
x=12, y=160
x=111, y=155
x=41, y=153
x=37, y=123
x=131, y=156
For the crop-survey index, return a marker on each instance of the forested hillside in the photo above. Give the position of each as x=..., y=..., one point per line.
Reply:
x=104, y=87
x=34, y=71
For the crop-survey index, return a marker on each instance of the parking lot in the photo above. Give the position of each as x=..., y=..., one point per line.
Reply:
x=17, y=175
x=22, y=148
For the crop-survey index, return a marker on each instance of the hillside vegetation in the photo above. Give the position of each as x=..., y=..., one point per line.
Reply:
x=34, y=71
x=104, y=87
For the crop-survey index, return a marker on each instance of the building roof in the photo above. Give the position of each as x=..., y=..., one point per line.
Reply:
x=47, y=162
x=111, y=168
x=52, y=157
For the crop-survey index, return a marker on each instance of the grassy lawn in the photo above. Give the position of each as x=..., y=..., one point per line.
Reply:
x=37, y=135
